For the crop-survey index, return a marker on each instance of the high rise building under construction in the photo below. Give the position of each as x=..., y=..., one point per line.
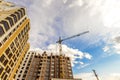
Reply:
x=14, y=28
x=37, y=66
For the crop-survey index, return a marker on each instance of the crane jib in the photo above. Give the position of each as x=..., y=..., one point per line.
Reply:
x=60, y=40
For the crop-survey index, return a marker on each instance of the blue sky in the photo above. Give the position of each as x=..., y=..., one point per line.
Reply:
x=99, y=49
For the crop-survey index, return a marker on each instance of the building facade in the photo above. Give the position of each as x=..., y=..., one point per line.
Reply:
x=45, y=67
x=14, y=28
x=23, y=70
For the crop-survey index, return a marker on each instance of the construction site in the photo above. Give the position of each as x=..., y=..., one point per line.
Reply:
x=17, y=62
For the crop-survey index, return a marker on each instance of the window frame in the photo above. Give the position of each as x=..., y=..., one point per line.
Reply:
x=21, y=13
x=18, y=15
x=5, y=24
x=2, y=29
x=14, y=17
x=11, y=21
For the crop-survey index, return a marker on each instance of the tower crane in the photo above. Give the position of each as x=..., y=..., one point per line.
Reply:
x=95, y=74
x=62, y=74
x=61, y=40
x=61, y=68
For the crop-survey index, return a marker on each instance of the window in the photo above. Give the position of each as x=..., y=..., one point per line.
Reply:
x=15, y=17
x=6, y=25
x=13, y=49
x=12, y=45
x=20, y=71
x=14, y=29
x=12, y=64
x=17, y=54
x=7, y=51
x=1, y=69
x=24, y=76
x=18, y=15
x=27, y=68
x=0, y=44
x=10, y=21
x=16, y=70
x=10, y=34
x=5, y=39
x=2, y=58
x=48, y=57
x=1, y=31
x=5, y=63
x=7, y=69
x=21, y=13
x=19, y=36
x=22, y=68
x=23, y=10
x=5, y=77
x=19, y=75
x=15, y=59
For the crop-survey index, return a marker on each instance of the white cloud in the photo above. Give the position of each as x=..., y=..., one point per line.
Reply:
x=37, y=50
x=64, y=1
x=76, y=3
x=106, y=48
x=111, y=13
x=117, y=48
x=81, y=63
x=88, y=56
x=75, y=62
x=113, y=44
x=51, y=18
x=115, y=74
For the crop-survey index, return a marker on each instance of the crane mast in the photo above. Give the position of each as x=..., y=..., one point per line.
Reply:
x=95, y=74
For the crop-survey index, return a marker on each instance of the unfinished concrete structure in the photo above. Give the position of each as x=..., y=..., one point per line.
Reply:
x=45, y=67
